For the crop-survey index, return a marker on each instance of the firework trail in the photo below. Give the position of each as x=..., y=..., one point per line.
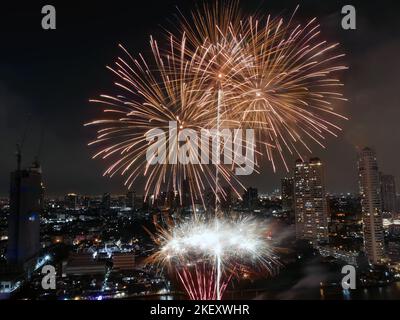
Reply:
x=255, y=73
x=278, y=77
x=170, y=88
x=224, y=69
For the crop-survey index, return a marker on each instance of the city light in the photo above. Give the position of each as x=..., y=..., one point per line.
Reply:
x=250, y=147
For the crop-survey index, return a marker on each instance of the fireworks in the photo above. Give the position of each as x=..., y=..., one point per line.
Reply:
x=169, y=89
x=221, y=69
x=225, y=70
x=292, y=87
x=277, y=76
x=207, y=252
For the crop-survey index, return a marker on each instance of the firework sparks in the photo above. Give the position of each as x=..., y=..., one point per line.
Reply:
x=168, y=90
x=292, y=87
x=277, y=76
x=207, y=252
x=224, y=70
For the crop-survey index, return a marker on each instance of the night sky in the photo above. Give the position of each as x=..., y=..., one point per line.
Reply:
x=48, y=77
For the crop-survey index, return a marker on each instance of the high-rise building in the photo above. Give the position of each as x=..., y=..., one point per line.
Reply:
x=71, y=201
x=287, y=194
x=119, y=201
x=26, y=205
x=130, y=199
x=106, y=201
x=388, y=193
x=123, y=261
x=139, y=202
x=86, y=202
x=311, y=208
x=370, y=192
x=393, y=251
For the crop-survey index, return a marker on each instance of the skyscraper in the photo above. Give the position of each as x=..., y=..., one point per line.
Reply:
x=311, y=209
x=71, y=201
x=26, y=205
x=287, y=194
x=370, y=192
x=130, y=199
x=106, y=201
x=388, y=193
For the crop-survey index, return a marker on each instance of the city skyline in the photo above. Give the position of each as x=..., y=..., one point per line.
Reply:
x=270, y=190
x=310, y=206
x=104, y=195
x=64, y=113
x=371, y=204
x=331, y=225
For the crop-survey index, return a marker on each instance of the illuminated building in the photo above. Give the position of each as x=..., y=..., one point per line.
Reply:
x=123, y=261
x=71, y=201
x=106, y=201
x=86, y=202
x=130, y=199
x=23, y=247
x=394, y=229
x=139, y=202
x=371, y=206
x=393, y=251
x=287, y=194
x=350, y=257
x=83, y=264
x=26, y=195
x=388, y=193
x=120, y=202
x=311, y=208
